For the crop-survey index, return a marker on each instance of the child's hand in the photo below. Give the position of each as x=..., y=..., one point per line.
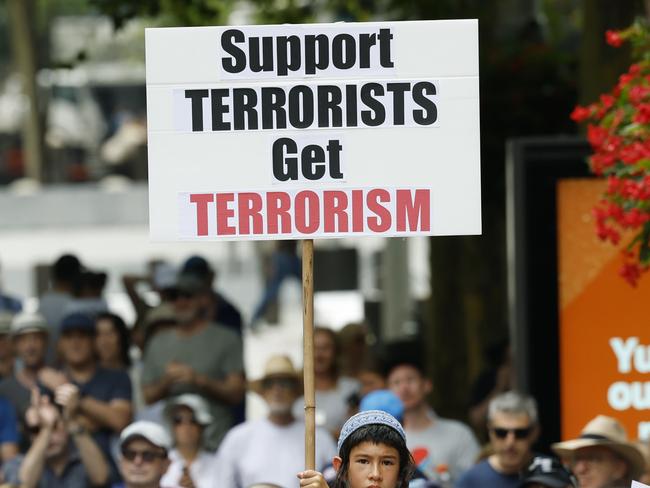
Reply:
x=312, y=479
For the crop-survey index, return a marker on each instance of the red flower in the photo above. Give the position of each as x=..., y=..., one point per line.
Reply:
x=642, y=115
x=607, y=101
x=580, y=114
x=613, y=38
x=631, y=273
x=638, y=93
x=596, y=135
x=632, y=153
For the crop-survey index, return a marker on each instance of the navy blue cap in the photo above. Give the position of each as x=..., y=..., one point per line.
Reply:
x=77, y=321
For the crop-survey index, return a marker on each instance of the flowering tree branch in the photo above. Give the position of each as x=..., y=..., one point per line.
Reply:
x=618, y=130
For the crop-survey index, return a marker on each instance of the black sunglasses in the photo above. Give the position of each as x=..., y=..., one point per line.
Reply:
x=180, y=419
x=146, y=456
x=286, y=383
x=521, y=433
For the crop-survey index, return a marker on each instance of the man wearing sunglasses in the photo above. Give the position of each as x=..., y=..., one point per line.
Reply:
x=143, y=455
x=271, y=450
x=513, y=429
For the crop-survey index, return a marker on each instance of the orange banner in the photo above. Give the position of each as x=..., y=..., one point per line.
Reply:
x=604, y=322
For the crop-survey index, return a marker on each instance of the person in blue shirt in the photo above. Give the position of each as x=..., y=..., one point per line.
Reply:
x=513, y=429
x=8, y=430
x=104, y=407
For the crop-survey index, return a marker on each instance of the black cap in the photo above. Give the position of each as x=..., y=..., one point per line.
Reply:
x=198, y=266
x=548, y=471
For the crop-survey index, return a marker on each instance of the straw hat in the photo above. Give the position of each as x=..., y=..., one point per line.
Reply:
x=606, y=432
x=277, y=367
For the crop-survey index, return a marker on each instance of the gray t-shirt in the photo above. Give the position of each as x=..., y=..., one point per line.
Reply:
x=444, y=442
x=213, y=351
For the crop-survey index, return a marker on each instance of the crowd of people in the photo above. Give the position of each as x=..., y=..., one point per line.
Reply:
x=79, y=409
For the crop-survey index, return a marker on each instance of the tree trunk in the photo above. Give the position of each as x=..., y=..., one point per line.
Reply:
x=22, y=39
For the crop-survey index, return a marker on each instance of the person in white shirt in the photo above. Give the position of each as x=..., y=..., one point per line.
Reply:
x=191, y=465
x=435, y=442
x=271, y=450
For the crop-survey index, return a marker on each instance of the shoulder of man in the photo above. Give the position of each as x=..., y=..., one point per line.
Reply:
x=474, y=474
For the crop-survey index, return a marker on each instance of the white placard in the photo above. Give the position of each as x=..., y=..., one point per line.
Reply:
x=319, y=130
x=636, y=484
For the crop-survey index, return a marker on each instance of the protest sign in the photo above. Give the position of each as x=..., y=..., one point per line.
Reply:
x=313, y=131
x=306, y=131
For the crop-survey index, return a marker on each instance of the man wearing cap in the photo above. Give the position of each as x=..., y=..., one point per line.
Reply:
x=602, y=457
x=55, y=303
x=433, y=441
x=513, y=429
x=29, y=333
x=144, y=448
x=271, y=450
x=196, y=357
x=191, y=466
x=547, y=472
x=62, y=453
x=222, y=310
x=104, y=405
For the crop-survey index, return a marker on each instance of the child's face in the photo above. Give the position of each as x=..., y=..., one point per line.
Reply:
x=373, y=466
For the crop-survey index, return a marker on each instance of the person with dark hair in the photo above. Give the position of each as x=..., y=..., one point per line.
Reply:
x=89, y=298
x=371, y=452
x=112, y=341
x=223, y=312
x=54, y=304
x=104, y=407
x=436, y=443
x=62, y=453
x=496, y=378
x=332, y=390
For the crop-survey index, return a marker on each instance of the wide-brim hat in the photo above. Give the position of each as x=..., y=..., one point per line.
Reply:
x=277, y=367
x=195, y=403
x=606, y=432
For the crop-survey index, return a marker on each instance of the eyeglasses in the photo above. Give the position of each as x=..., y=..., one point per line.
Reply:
x=286, y=383
x=146, y=456
x=182, y=419
x=521, y=433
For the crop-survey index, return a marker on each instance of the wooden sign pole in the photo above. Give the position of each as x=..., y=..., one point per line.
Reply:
x=308, y=351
